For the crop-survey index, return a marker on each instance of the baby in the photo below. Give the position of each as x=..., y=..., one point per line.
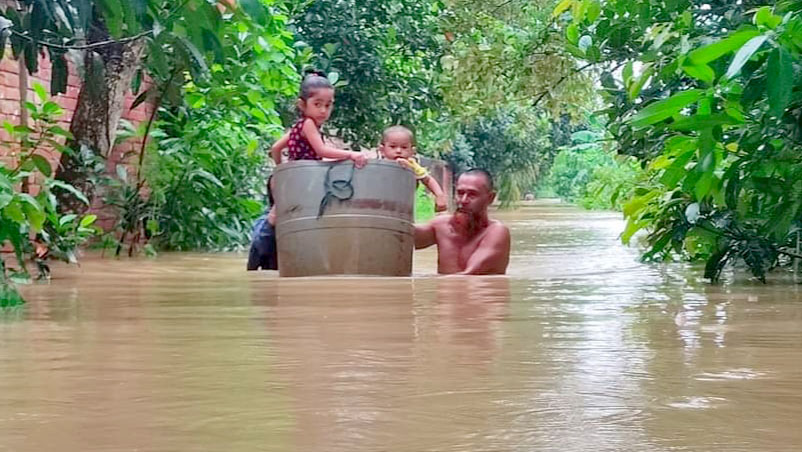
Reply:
x=398, y=143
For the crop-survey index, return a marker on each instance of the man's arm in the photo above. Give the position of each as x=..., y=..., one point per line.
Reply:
x=424, y=236
x=492, y=255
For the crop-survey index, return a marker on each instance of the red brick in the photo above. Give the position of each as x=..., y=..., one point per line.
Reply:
x=9, y=93
x=8, y=65
x=10, y=79
x=67, y=103
x=9, y=107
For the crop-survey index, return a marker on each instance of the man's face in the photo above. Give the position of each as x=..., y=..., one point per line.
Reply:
x=473, y=194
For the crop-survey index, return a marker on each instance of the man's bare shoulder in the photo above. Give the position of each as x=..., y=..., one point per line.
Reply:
x=440, y=220
x=497, y=227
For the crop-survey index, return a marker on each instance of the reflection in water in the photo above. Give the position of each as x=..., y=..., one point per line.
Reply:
x=581, y=347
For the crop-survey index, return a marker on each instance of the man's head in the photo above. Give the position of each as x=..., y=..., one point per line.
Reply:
x=397, y=142
x=475, y=191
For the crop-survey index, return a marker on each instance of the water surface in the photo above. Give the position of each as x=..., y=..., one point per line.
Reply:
x=581, y=348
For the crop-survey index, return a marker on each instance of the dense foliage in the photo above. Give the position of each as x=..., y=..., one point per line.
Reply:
x=513, y=144
x=708, y=97
x=384, y=57
x=30, y=223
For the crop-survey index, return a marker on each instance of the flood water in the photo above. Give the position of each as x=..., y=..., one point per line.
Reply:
x=581, y=348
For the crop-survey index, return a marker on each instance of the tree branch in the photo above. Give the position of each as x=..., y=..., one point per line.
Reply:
x=560, y=81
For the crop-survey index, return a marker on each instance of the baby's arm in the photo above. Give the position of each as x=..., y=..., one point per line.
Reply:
x=278, y=146
x=440, y=199
x=316, y=141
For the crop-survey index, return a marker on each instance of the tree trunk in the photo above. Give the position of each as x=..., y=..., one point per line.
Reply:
x=108, y=73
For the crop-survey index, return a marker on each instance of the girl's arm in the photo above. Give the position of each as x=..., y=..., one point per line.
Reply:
x=278, y=146
x=440, y=199
x=316, y=141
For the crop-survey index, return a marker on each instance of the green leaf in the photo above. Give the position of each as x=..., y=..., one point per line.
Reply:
x=701, y=72
x=661, y=110
x=333, y=77
x=52, y=109
x=142, y=97
x=6, y=191
x=744, y=54
x=594, y=10
x=636, y=86
x=197, y=57
x=255, y=9
x=780, y=74
x=113, y=16
x=35, y=215
x=136, y=82
x=627, y=73
x=572, y=33
x=122, y=173
x=562, y=7
x=56, y=130
x=764, y=17
x=42, y=164
x=718, y=49
x=637, y=203
x=699, y=122
x=715, y=264
x=14, y=212
x=40, y=91
x=203, y=174
x=31, y=57
x=59, y=73
x=69, y=188
x=633, y=226
x=2, y=38
x=66, y=219
x=88, y=220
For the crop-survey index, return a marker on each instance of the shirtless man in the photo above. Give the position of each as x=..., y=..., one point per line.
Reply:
x=468, y=242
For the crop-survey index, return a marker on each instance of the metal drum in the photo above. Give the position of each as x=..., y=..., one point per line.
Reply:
x=332, y=219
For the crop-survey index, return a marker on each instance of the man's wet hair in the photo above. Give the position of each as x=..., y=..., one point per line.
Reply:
x=490, y=184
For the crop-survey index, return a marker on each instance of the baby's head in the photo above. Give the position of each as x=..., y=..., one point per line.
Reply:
x=397, y=142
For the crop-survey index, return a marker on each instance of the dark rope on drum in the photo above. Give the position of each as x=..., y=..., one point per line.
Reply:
x=337, y=188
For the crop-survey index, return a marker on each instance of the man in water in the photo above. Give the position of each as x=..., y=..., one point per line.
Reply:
x=468, y=242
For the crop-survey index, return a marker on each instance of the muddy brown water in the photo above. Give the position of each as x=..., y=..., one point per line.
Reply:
x=581, y=348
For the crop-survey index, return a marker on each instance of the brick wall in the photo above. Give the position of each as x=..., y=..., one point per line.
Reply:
x=10, y=111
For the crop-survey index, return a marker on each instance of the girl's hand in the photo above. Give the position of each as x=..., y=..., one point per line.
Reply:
x=440, y=203
x=359, y=159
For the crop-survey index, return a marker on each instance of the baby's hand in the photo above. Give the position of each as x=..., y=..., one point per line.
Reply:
x=404, y=162
x=440, y=203
x=359, y=159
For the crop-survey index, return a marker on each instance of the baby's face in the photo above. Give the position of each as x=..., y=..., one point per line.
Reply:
x=397, y=145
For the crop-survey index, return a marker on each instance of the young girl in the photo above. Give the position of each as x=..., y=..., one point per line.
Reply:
x=304, y=141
